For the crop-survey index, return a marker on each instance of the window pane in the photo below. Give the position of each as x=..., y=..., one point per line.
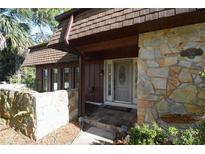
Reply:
x=45, y=79
x=109, y=79
x=66, y=78
x=56, y=79
x=77, y=77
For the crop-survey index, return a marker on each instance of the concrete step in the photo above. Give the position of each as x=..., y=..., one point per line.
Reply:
x=87, y=123
x=94, y=136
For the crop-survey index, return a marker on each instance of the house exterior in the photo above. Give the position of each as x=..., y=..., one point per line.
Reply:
x=55, y=69
x=140, y=58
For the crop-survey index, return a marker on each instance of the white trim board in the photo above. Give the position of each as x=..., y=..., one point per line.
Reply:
x=110, y=99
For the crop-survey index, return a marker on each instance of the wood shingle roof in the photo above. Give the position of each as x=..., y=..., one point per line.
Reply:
x=92, y=21
x=40, y=54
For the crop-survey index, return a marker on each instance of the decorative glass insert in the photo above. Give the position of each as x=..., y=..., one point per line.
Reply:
x=122, y=75
x=45, y=79
x=66, y=78
x=109, y=79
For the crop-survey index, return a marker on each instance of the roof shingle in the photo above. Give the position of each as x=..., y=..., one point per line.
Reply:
x=94, y=21
x=43, y=55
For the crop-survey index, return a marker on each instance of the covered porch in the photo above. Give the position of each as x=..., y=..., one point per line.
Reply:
x=108, y=74
x=108, y=84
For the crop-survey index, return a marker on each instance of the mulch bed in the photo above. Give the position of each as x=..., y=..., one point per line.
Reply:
x=63, y=135
x=180, y=119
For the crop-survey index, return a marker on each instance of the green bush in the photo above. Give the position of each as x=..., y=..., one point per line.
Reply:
x=146, y=134
x=188, y=137
x=202, y=132
x=202, y=74
x=27, y=76
x=152, y=134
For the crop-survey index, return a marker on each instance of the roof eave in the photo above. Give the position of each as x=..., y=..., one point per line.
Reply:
x=67, y=14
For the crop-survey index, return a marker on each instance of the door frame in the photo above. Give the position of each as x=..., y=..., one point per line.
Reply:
x=109, y=99
x=129, y=83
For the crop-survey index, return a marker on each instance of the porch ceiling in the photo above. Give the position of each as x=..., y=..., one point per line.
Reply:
x=123, y=52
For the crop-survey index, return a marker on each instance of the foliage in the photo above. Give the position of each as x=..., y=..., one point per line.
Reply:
x=10, y=61
x=146, y=134
x=16, y=28
x=202, y=74
x=26, y=76
x=44, y=20
x=188, y=137
x=202, y=131
x=152, y=134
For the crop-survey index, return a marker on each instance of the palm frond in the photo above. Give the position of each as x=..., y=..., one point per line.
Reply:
x=2, y=42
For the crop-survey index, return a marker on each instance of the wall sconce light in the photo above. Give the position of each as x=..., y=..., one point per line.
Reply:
x=102, y=73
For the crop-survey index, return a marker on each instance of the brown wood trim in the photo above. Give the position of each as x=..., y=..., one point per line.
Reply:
x=58, y=65
x=111, y=44
x=125, y=52
x=82, y=86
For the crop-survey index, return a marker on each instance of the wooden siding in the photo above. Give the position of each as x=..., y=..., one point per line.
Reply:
x=94, y=81
x=95, y=21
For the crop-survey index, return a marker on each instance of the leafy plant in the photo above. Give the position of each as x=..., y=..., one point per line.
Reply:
x=202, y=131
x=188, y=137
x=145, y=134
x=152, y=134
x=202, y=74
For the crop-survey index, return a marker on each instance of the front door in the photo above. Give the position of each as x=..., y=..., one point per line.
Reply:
x=122, y=81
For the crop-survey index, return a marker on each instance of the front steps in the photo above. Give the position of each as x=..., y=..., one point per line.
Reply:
x=87, y=123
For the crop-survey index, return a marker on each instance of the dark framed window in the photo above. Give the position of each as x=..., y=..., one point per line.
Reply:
x=45, y=80
x=55, y=79
x=77, y=77
x=67, y=78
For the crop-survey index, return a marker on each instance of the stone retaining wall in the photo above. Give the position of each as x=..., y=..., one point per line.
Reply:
x=18, y=109
x=170, y=90
x=34, y=114
x=73, y=104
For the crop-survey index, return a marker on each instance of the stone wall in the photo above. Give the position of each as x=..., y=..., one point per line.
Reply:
x=34, y=114
x=51, y=109
x=73, y=104
x=170, y=91
x=18, y=110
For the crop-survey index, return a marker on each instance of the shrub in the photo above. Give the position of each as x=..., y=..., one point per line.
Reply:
x=145, y=134
x=26, y=75
x=153, y=134
x=202, y=74
x=188, y=137
x=202, y=131
x=172, y=135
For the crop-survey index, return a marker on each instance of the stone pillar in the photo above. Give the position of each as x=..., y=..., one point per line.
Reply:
x=169, y=88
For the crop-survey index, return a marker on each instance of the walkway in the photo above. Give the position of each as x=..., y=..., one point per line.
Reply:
x=94, y=136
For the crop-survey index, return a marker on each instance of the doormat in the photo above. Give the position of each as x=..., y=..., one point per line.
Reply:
x=117, y=108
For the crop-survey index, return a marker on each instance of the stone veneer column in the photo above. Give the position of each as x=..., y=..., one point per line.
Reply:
x=169, y=84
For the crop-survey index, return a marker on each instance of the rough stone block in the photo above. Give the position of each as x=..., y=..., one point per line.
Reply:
x=159, y=83
x=158, y=72
x=185, y=75
x=147, y=53
x=185, y=64
x=152, y=63
x=51, y=111
x=185, y=93
x=167, y=61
